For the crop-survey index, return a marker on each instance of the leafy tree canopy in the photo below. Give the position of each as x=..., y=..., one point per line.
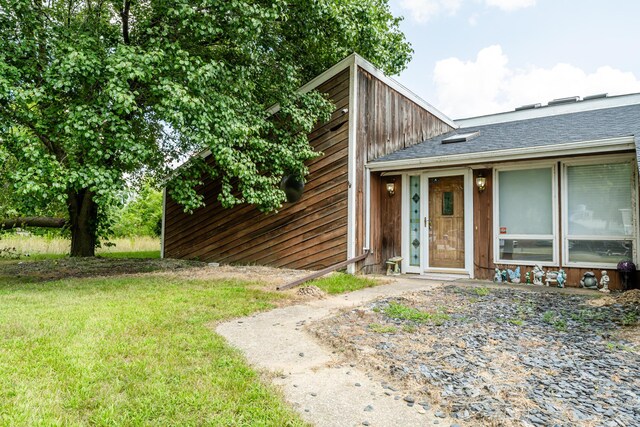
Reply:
x=94, y=93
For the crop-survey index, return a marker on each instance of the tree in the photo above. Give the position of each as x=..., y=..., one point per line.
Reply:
x=95, y=94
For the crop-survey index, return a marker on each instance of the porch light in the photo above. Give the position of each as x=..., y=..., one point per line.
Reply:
x=481, y=183
x=391, y=188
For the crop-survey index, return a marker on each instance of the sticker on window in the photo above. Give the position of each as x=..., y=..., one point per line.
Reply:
x=503, y=230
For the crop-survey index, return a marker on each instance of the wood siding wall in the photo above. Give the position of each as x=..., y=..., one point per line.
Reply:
x=386, y=222
x=484, y=241
x=309, y=234
x=387, y=121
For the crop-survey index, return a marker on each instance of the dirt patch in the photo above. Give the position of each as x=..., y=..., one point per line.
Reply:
x=56, y=269
x=311, y=292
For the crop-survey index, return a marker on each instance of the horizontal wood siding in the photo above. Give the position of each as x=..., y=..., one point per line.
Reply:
x=309, y=234
x=387, y=121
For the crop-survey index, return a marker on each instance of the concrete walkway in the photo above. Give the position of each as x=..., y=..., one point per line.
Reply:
x=323, y=387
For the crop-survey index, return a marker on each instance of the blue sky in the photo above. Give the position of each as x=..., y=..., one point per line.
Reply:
x=475, y=57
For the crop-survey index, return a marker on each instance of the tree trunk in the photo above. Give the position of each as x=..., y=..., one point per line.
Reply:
x=83, y=221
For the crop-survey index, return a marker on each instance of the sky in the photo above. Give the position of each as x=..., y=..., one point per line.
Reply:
x=477, y=57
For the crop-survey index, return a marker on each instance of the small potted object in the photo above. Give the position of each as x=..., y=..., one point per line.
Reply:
x=626, y=268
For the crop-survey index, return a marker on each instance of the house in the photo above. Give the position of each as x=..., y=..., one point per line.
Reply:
x=552, y=185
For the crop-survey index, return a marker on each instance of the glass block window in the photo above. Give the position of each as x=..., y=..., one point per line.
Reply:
x=414, y=221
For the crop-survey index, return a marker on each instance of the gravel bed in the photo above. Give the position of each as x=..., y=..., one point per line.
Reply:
x=501, y=356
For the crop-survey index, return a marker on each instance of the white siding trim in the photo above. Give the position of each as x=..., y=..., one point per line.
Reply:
x=164, y=211
x=351, y=180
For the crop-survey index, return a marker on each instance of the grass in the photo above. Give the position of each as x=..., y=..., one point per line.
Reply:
x=382, y=329
x=482, y=292
x=43, y=247
x=130, y=351
x=338, y=283
x=403, y=312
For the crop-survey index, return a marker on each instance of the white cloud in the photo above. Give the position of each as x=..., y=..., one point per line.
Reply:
x=488, y=85
x=423, y=10
x=510, y=5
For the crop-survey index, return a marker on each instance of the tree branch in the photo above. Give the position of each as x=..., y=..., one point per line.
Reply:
x=33, y=221
x=124, y=14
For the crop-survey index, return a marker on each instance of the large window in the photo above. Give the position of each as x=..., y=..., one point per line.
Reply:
x=525, y=220
x=598, y=205
x=599, y=218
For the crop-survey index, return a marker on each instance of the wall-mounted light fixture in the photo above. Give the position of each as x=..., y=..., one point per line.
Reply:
x=391, y=188
x=481, y=183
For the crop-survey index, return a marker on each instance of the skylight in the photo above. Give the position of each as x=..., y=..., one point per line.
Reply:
x=461, y=137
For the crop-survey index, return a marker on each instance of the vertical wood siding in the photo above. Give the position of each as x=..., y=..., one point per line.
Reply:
x=387, y=121
x=309, y=234
x=386, y=223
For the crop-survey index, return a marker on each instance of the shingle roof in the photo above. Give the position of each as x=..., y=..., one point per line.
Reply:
x=537, y=132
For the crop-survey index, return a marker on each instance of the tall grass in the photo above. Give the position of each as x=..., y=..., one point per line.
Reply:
x=43, y=245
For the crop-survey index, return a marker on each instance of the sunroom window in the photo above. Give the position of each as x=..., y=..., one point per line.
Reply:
x=599, y=222
x=525, y=216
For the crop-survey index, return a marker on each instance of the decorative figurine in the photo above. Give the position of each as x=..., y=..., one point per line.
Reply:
x=504, y=276
x=562, y=278
x=538, y=273
x=589, y=281
x=514, y=275
x=604, y=282
x=626, y=268
x=550, y=277
x=497, y=278
x=527, y=277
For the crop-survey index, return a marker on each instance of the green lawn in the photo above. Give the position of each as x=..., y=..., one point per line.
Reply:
x=338, y=283
x=130, y=351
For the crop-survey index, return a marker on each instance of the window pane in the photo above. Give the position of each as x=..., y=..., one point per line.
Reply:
x=600, y=200
x=525, y=201
x=600, y=251
x=414, y=220
x=526, y=250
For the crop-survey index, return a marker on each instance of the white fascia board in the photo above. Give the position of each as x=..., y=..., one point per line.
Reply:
x=572, y=148
x=351, y=162
x=551, y=110
x=398, y=87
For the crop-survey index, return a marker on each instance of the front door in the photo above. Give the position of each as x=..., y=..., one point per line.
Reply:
x=445, y=224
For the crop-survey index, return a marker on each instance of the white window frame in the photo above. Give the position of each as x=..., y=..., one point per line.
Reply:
x=610, y=159
x=553, y=165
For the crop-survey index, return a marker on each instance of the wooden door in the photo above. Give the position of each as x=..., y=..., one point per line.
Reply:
x=446, y=222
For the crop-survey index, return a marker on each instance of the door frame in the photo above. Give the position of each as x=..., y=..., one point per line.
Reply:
x=467, y=174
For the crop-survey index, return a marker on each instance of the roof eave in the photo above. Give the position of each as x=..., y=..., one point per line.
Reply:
x=570, y=148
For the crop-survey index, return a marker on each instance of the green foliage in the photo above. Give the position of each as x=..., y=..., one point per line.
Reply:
x=94, y=95
x=403, y=312
x=141, y=216
x=481, y=292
